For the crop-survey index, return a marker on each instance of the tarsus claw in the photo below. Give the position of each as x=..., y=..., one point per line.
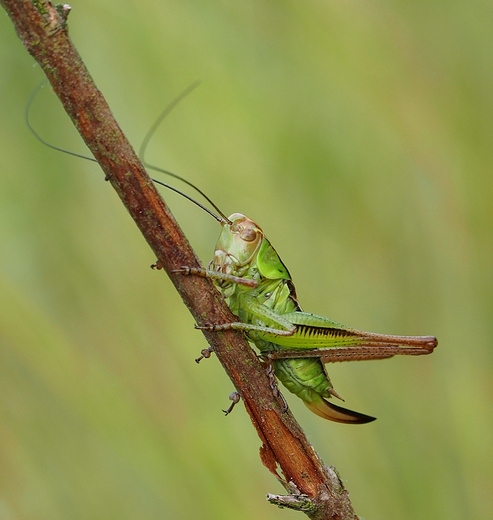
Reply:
x=205, y=353
x=235, y=398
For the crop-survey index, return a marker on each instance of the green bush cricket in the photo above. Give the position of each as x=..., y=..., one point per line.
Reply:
x=258, y=289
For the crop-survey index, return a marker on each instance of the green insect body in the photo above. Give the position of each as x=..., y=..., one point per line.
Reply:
x=258, y=289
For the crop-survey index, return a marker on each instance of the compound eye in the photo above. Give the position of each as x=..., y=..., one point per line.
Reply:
x=248, y=235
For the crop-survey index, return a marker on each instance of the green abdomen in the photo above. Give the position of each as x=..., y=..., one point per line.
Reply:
x=304, y=377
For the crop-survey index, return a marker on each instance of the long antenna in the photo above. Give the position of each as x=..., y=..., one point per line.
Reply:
x=222, y=219
x=151, y=132
x=37, y=136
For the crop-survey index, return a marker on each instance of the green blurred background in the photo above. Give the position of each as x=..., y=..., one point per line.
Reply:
x=359, y=135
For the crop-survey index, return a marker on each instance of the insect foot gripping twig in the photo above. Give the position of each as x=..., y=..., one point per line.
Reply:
x=235, y=399
x=204, y=354
x=157, y=265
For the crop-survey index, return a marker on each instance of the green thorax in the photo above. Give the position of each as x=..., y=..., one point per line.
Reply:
x=242, y=250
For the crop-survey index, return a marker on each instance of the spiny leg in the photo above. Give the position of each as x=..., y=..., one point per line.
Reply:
x=198, y=271
x=205, y=353
x=215, y=275
x=350, y=353
x=246, y=327
x=284, y=328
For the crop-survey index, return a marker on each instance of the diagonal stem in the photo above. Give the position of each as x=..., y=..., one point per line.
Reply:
x=313, y=487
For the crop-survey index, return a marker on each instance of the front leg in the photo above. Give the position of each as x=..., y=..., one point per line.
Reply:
x=245, y=327
x=235, y=399
x=215, y=275
x=204, y=354
x=280, y=326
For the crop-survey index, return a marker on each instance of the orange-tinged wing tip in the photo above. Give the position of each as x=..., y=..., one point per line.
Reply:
x=332, y=412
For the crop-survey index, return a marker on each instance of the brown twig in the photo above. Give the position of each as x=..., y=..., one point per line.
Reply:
x=313, y=487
